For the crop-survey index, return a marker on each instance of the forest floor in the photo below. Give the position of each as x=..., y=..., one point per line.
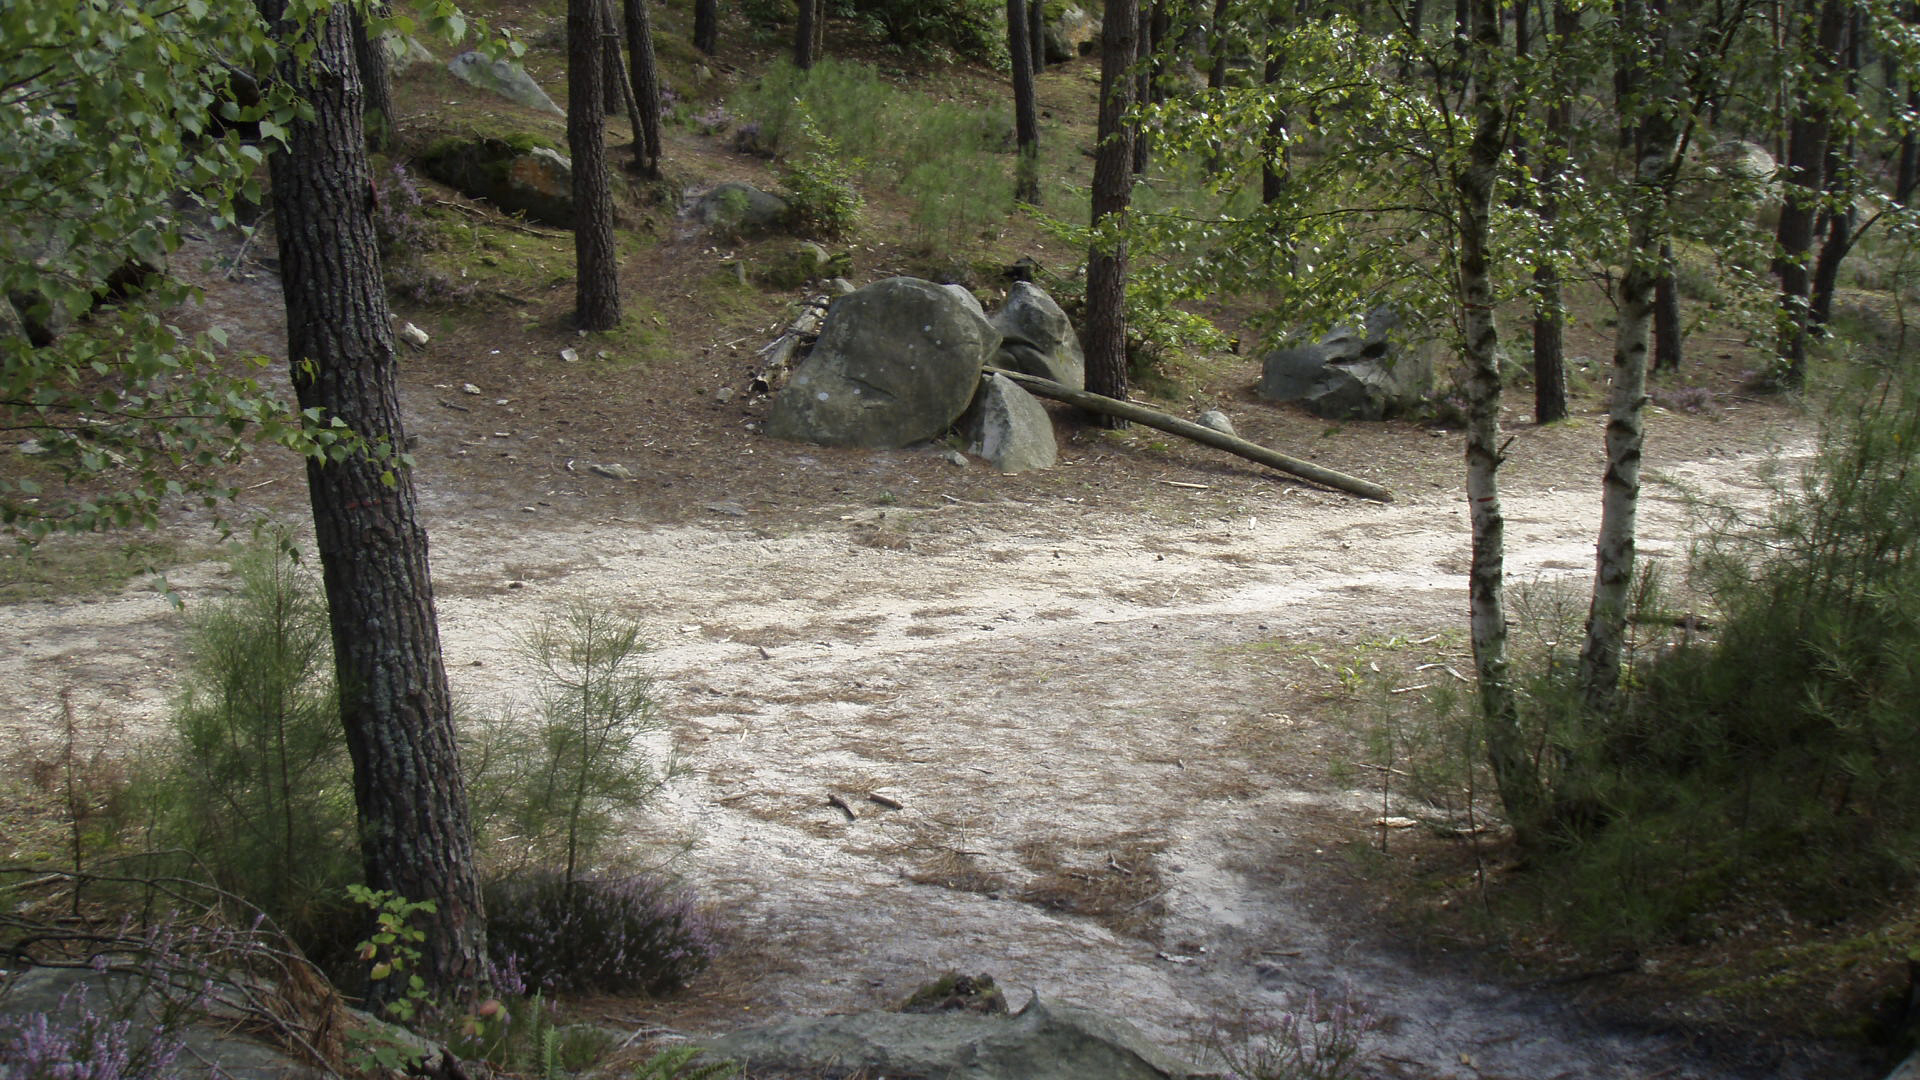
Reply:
x=1125, y=706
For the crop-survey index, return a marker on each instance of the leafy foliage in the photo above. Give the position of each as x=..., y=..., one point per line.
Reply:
x=607, y=933
x=108, y=111
x=821, y=198
x=963, y=27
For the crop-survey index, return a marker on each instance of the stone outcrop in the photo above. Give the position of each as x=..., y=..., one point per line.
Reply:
x=1009, y=427
x=503, y=77
x=739, y=209
x=518, y=174
x=1041, y=1042
x=896, y=363
x=1036, y=338
x=1365, y=374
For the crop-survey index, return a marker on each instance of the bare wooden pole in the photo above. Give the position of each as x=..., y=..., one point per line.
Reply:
x=1219, y=440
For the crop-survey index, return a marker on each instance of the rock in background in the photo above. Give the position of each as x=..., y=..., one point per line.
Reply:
x=1369, y=374
x=505, y=78
x=518, y=174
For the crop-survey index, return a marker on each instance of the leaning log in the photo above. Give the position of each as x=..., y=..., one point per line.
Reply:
x=1219, y=440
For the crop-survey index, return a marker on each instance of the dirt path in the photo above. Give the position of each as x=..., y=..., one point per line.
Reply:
x=1078, y=710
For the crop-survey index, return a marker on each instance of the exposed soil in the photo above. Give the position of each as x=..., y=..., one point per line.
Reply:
x=1100, y=695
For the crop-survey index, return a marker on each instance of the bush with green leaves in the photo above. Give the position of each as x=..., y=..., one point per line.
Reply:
x=965, y=28
x=822, y=200
x=257, y=785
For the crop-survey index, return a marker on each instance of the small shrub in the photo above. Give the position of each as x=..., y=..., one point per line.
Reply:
x=821, y=199
x=258, y=785
x=73, y=1042
x=399, y=223
x=1319, y=1041
x=560, y=792
x=613, y=934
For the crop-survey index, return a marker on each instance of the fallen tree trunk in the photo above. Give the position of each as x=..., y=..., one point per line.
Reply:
x=1219, y=440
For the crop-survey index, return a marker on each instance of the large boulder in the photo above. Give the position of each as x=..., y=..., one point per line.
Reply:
x=1036, y=338
x=897, y=362
x=1041, y=1042
x=518, y=174
x=1367, y=374
x=404, y=51
x=1074, y=32
x=1009, y=427
x=503, y=77
x=739, y=209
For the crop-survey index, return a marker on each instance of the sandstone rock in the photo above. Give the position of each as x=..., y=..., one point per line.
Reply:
x=1075, y=33
x=896, y=363
x=1350, y=374
x=1009, y=427
x=503, y=77
x=1042, y=1042
x=518, y=174
x=738, y=209
x=1038, y=339
x=1218, y=421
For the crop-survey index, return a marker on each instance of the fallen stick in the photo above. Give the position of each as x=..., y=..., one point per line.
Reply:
x=1140, y=414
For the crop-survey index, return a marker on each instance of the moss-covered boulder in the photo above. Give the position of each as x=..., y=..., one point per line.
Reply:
x=517, y=173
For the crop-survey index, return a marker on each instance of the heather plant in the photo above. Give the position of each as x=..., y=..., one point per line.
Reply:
x=615, y=933
x=74, y=1042
x=1321, y=1040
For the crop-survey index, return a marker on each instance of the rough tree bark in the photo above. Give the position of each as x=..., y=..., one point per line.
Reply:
x=803, y=34
x=644, y=75
x=1026, y=117
x=706, y=26
x=1142, y=84
x=394, y=702
x=376, y=76
x=1842, y=184
x=1106, y=332
x=1037, y=35
x=1804, y=171
x=1549, y=311
x=1518, y=784
x=1668, y=339
x=596, y=266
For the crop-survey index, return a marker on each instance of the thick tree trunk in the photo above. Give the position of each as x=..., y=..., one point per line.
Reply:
x=376, y=76
x=803, y=34
x=644, y=76
x=1517, y=781
x=1026, y=118
x=394, y=702
x=706, y=26
x=1273, y=143
x=1807, y=138
x=1106, y=331
x=597, y=284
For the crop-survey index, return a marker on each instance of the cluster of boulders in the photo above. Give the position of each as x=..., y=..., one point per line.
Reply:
x=904, y=360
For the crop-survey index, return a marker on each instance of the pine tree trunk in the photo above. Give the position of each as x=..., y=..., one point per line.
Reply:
x=1026, y=119
x=803, y=34
x=706, y=26
x=1106, y=331
x=1549, y=310
x=1142, y=83
x=1217, y=45
x=376, y=75
x=597, y=284
x=1807, y=138
x=394, y=703
x=1667, y=338
x=1486, y=585
x=1840, y=188
x=1037, y=35
x=645, y=80
x=1273, y=146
